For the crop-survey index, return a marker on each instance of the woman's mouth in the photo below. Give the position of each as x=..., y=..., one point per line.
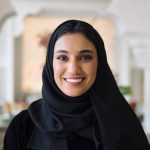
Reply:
x=74, y=81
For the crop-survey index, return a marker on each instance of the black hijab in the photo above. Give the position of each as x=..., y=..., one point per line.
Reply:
x=101, y=113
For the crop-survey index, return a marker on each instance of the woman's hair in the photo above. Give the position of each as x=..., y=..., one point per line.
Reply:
x=74, y=26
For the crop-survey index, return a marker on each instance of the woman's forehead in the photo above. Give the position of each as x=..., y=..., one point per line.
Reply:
x=73, y=41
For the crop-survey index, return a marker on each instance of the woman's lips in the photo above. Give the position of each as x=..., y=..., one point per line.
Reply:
x=74, y=81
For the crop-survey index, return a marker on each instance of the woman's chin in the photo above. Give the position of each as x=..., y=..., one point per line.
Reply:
x=73, y=93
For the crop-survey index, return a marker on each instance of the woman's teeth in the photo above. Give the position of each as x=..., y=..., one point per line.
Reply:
x=78, y=80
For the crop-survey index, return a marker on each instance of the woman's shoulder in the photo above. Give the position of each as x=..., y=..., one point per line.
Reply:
x=21, y=121
x=23, y=115
x=19, y=131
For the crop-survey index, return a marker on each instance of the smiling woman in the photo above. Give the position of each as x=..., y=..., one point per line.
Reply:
x=81, y=105
x=73, y=64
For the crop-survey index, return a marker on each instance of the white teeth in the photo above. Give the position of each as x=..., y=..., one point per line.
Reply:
x=74, y=80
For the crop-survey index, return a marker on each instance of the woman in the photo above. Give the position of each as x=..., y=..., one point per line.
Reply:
x=81, y=107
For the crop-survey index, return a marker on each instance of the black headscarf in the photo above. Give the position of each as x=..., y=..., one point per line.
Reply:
x=101, y=113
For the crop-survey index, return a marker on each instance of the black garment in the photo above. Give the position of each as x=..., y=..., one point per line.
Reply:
x=118, y=126
x=20, y=130
x=101, y=113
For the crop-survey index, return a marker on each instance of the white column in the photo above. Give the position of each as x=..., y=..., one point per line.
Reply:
x=146, y=109
x=123, y=61
x=9, y=62
x=2, y=69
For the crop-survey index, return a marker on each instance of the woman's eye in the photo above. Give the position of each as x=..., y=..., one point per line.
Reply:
x=62, y=58
x=86, y=58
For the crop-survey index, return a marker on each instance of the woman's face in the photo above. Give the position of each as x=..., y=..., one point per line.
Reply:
x=74, y=64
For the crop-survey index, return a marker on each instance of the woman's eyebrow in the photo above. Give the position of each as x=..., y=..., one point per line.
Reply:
x=81, y=52
x=86, y=51
x=61, y=51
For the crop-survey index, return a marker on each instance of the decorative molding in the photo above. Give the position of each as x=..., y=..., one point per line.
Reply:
x=59, y=9
x=6, y=11
x=140, y=48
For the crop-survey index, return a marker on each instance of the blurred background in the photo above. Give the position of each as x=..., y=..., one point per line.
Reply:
x=26, y=25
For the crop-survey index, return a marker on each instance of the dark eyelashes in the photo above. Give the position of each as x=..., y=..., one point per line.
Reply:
x=86, y=57
x=81, y=58
x=62, y=58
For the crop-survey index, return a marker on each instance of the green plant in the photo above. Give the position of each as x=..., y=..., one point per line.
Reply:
x=125, y=90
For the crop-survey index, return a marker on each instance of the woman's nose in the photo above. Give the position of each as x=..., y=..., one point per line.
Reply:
x=74, y=67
